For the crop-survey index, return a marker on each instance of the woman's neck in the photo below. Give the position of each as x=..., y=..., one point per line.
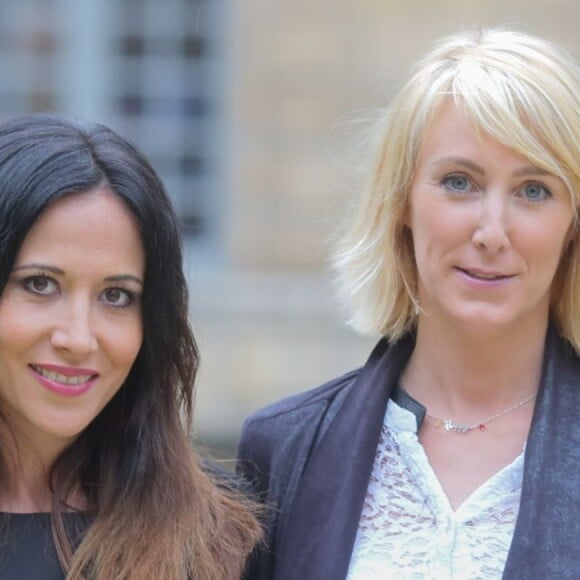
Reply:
x=453, y=372
x=28, y=486
x=27, y=491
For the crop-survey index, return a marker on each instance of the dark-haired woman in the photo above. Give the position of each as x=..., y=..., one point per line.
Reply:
x=98, y=478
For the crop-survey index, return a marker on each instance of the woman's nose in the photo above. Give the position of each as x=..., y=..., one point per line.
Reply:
x=75, y=332
x=491, y=232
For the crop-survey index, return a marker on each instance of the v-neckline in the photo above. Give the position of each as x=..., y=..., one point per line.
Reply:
x=403, y=425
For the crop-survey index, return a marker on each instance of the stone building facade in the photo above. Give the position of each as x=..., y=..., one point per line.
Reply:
x=250, y=111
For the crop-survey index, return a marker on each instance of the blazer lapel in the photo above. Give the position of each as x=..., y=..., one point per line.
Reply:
x=318, y=536
x=546, y=538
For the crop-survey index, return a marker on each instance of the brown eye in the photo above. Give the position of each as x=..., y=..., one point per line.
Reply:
x=40, y=285
x=117, y=297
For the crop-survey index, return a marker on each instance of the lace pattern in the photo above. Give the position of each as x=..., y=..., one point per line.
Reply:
x=407, y=528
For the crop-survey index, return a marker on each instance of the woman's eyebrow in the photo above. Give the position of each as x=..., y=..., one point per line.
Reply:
x=124, y=278
x=467, y=163
x=522, y=172
x=38, y=266
x=58, y=271
x=531, y=170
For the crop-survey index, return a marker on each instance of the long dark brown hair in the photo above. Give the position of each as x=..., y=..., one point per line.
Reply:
x=154, y=511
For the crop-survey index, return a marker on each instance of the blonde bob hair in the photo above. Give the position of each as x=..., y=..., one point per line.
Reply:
x=521, y=90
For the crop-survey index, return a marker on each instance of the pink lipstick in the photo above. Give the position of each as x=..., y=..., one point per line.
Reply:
x=63, y=380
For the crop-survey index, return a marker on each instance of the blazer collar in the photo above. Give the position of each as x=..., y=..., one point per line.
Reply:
x=320, y=530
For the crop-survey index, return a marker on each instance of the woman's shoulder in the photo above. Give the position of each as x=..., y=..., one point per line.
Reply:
x=302, y=403
x=284, y=432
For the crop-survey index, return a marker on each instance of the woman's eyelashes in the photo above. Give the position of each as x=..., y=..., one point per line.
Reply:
x=532, y=191
x=43, y=285
x=458, y=183
x=118, y=297
x=40, y=284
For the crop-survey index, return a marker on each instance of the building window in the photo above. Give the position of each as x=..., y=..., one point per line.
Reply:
x=163, y=63
x=29, y=51
x=143, y=67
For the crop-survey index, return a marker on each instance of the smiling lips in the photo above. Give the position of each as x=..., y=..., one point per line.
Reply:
x=481, y=275
x=64, y=380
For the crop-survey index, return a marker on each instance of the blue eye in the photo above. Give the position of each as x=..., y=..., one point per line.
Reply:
x=457, y=183
x=118, y=297
x=40, y=284
x=535, y=192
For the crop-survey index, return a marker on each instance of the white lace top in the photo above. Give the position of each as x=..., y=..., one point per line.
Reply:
x=407, y=528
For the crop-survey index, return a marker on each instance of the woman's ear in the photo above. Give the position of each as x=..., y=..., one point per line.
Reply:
x=573, y=233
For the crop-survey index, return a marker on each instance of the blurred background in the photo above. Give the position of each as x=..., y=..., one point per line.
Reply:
x=248, y=109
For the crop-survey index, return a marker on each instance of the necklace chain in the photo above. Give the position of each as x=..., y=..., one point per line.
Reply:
x=450, y=425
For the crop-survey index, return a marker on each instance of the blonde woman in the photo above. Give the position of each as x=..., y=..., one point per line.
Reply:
x=453, y=452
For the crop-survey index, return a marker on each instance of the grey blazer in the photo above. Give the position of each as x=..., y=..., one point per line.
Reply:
x=310, y=458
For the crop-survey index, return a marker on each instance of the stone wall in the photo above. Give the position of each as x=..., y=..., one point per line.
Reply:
x=300, y=74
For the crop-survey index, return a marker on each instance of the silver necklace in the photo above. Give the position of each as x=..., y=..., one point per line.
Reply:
x=450, y=425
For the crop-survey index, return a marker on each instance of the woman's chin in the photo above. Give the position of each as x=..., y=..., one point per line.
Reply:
x=486, y=320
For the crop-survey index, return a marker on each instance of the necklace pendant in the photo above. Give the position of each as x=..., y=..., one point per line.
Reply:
x=457, y=427
x=449, y=425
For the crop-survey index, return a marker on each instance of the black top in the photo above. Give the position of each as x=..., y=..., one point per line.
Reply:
x=27, y=551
